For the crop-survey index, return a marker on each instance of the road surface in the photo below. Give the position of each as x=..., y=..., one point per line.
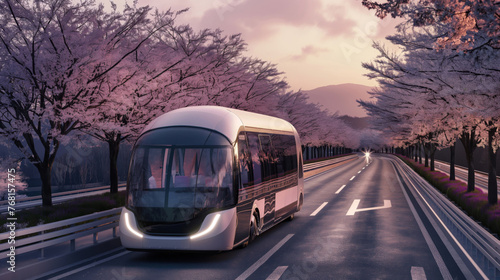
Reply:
x=358, y=222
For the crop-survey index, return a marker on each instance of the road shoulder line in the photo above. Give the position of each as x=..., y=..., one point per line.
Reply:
x=434, y=251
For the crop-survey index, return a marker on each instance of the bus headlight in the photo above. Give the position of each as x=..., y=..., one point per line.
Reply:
x=209, y=229
x=129, y=227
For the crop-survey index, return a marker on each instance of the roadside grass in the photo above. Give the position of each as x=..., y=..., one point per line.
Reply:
x=475, y=203
x=66, y=210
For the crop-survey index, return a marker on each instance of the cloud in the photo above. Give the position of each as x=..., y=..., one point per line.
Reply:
x=307, y=51
x=260, y=19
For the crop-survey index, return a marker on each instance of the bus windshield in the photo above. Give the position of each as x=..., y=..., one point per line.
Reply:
x=175, y=184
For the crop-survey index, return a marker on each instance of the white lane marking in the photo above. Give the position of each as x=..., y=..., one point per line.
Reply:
x=353, y=208
x=277, y=273
x=418, y=273
x=364, y=167
x=339, y=190
x=264, y=258
x=479, y=270
x=352, y=178
x=359, y=171
x=434, y=251
x=355, y=204
x=89, y=265
x=319, y=209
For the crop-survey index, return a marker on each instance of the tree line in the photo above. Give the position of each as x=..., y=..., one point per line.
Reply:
x=72, y=69
x=443, y=82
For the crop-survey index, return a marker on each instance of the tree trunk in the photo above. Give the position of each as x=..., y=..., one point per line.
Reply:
x=492, y=169
x=432, y=152
x=114, y=148
x=426, y=153
x=469, y=142
x=420, y=153
x=45, y=172
x=452, y=162
x=44, y=167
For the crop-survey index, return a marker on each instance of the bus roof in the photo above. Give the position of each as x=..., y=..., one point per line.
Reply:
x=227, y=121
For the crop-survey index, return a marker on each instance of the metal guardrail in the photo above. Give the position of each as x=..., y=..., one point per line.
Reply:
x=43, y=236
x=481, y=245
x=463, y=168
x=316, y=165
x=85, y=190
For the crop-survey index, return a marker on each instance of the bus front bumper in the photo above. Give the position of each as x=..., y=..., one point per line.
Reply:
x=216, y=234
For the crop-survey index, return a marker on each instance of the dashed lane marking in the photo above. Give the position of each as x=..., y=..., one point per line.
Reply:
x=319, y=209
x=341, y=188
x=264, y=258
x=277, y=273
x=418, y=273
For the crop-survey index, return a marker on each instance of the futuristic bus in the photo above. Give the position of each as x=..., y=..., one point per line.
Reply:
x=210, y=178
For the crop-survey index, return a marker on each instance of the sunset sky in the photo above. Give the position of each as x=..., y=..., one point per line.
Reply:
x=315, y=42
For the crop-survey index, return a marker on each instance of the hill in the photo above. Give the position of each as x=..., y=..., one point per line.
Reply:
x=356, y=122
x=340, y=98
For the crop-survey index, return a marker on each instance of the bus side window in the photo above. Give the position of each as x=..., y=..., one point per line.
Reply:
x=246, y=170
x=253, y=144
x=266, y=157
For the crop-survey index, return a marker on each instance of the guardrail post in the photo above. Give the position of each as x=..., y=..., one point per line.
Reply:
x=95, y=238
x=72, y=245
x=114, y=232
x=42, y=250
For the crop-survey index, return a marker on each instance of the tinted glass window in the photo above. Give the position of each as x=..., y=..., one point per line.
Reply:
x=257, y=166
x=245, y=162
x=171, y=183
x=182, y=136
x=271, y=156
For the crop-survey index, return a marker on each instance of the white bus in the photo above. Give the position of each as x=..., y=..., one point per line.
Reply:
x=210, y=178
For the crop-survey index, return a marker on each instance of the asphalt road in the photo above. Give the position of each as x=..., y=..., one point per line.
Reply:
x=356, y=223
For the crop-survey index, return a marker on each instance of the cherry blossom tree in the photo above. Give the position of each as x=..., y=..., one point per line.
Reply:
x=468, y=21
x=444, y=89
x=45, y=48
x=169, y=70
x=316, y=127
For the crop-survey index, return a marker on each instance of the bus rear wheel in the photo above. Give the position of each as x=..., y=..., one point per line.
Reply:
x=301, y=201
x=253, y=228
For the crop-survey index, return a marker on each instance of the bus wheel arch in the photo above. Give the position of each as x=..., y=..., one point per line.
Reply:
x=301, y=202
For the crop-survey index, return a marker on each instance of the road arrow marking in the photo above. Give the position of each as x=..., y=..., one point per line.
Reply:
x=354, y=207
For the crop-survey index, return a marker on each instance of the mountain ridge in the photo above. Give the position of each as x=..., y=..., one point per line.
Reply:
x=340, y=98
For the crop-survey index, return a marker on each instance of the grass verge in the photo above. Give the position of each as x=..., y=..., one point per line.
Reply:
x=474, y=203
